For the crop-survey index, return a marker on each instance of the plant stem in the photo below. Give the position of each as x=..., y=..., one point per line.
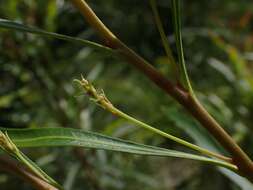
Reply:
x=189, y=102
x=171, y=137
x=101, y=100
x=10, y=148
x=240, y=158
x=12, y=167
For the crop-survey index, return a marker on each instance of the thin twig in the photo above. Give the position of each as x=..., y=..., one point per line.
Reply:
x=101, y=99
x=10, y=166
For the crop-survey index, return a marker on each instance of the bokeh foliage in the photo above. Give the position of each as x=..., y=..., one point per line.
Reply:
x=37, y=89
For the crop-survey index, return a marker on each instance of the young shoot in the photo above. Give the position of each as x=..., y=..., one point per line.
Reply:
x=102, y=100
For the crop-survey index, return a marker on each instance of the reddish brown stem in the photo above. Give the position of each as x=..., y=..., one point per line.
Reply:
x=10, y=166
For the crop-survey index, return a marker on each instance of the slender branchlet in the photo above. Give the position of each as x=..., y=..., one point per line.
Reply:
x=11, y=166
x=101, y=99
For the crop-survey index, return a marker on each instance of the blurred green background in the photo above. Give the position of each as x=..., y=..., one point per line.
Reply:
x=37, y=89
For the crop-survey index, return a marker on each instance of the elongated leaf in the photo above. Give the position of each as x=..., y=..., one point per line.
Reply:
x=72, y=137
x=8, y=24
x=176, y=9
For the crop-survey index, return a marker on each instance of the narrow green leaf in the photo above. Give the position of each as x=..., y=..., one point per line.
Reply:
x=176, y=9
x=50, y=137
x=8, y=24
